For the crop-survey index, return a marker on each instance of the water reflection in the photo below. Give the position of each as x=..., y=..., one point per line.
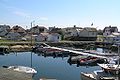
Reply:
x=48, y=66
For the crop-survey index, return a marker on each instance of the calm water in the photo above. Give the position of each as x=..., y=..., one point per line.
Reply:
x=47, y=67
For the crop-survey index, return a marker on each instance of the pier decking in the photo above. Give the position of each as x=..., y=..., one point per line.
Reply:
x=78, y=52
x=6, y=74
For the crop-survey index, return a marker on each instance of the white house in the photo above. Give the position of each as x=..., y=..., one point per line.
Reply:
x=77, y=33
x=113, y=38
x=88, y=32
x=13, y=36
x=54, y=37
x=29, y=37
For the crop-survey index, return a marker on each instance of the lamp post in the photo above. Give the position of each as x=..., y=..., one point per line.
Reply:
x=31, y=32
x=31, y=41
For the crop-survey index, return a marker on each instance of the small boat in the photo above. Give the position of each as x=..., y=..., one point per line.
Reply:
x=111, y=68
x=90, y=60
x=21, y=69
x=98, y=75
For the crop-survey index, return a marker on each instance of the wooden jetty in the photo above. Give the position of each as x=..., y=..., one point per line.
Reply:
x=6, y=74
x=78, y=52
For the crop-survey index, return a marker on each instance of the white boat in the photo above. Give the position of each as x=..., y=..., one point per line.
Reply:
x=21, y=69
x=111, y=68
x=98, y=75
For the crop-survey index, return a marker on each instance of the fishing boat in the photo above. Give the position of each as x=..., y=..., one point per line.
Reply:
x=21, y=69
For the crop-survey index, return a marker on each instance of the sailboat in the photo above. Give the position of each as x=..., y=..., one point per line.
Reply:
x=24, y=69
x=113, y=66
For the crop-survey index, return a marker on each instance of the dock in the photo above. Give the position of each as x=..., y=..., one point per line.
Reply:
x=78, y=52
x=6, y=74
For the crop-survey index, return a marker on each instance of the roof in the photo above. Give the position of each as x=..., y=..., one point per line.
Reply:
x=90, y=29
x=44, y=34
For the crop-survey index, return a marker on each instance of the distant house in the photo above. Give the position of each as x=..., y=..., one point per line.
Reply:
x=13, y=36
x=70, y=32
x=18, y=29
x=29, y=37
x=42, y=37
x=4, y=29
x=54, y=37
x=81, y=34
x=108, y=34
x=113, y=38
x=109, y=30
x=87, y=34
x=38, y=29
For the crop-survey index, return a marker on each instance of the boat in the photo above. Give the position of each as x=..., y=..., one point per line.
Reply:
x=111, y=68
x=90, y=60
x=85, y=60
x=21, y=69
x=114, y=64
x=98, y=75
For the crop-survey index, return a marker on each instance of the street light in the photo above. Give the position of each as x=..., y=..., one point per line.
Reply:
x=31, y=41
x=31, y=30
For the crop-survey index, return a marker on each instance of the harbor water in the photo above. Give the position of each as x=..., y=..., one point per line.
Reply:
x=47, y=67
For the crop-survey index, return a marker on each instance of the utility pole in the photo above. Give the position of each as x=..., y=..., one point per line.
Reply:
x=31, y=34
x=31, y=42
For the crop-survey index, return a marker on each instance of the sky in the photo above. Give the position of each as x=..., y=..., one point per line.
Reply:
x=60, y=13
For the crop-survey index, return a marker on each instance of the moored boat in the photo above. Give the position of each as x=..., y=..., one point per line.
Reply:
x=21, y=69
x=90, y=60
x=98, y=75
x=111, y=68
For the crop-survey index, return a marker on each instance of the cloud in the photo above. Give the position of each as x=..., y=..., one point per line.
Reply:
x=22, y=14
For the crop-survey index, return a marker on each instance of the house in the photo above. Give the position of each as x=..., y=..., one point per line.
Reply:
x=18, y=29
x=54, y=37
x=113, y=38
x=108, y=34
x=109, y=30
x=70, y=32
x=4, y=29
x=81, y=34
x=42, y=37
x=29, y=37
x=88, y=33
x=13, y=36
x=38, y=29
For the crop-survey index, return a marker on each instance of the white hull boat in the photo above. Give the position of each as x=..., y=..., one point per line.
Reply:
x=21, y=69
x=112, y=68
